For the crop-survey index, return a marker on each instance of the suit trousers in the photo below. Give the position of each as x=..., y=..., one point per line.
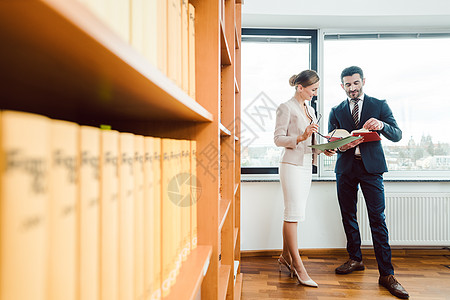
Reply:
x=373, y=191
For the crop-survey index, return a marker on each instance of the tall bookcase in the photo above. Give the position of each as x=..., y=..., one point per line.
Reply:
x=59, y=60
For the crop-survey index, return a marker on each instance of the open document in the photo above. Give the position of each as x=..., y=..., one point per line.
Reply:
x=336, y=143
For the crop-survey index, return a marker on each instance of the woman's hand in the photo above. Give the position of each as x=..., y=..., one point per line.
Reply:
x=308, y=132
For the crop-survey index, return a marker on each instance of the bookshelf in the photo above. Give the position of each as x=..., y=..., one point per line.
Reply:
x=64, y=62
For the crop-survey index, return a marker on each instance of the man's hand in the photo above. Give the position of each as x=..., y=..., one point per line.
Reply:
x=373, y=124
x=330, y=152
x=351, y=144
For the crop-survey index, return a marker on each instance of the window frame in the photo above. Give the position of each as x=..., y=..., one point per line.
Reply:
x=313, y=64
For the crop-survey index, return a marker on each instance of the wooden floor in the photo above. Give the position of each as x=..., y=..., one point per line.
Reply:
x=424, y=276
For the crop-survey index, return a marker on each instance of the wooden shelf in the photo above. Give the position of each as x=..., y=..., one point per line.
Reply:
x=237, y=35
x=224, y=209
x=63, y=52
x=236, y=232
x=191, y=274
x=238, y=287
x=217, y=55
x=60, y=60
x=224, y=49
x=224, y=131
x=224, y=276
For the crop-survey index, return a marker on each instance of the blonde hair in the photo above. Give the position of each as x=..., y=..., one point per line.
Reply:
x=304, y=78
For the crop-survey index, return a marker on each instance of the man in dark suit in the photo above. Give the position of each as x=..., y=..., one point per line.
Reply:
x=363, y=164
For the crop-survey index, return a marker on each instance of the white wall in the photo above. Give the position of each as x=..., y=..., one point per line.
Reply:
x=381, y=15
x=262, y=205
x=262, y=214
x=346, y=7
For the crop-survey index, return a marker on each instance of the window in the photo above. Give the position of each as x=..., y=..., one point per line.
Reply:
x=269, y=58
x=411, y=72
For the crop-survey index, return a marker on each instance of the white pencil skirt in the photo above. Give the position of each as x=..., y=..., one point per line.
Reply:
x=296, y=183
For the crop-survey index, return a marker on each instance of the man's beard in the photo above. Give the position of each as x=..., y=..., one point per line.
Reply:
x=357, y=95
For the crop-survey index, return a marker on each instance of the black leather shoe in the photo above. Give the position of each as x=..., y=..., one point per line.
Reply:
x=393, y=286
x=350, y=266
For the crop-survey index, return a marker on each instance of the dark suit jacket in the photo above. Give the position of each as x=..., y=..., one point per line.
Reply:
x=371, y=152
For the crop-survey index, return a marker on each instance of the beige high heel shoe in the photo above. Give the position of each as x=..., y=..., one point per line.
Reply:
x=282, y=261
x=309, y=282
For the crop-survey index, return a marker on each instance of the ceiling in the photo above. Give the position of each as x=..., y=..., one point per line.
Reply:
x=349, y=15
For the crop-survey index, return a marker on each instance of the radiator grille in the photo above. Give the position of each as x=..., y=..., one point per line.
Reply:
x=413, y=219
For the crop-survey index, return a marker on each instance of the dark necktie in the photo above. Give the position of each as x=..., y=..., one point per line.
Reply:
x=355, y=112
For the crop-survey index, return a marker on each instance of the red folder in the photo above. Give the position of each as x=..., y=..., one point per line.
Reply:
x=369, y=136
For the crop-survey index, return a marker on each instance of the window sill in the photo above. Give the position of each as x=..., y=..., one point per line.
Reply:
x=276, y=178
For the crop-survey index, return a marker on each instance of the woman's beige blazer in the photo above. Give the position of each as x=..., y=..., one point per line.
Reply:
x=290, y=123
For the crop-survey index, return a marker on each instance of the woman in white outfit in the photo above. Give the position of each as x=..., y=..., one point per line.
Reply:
x=295, y=124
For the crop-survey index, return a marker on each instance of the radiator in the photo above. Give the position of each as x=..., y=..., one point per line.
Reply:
x=413, y=219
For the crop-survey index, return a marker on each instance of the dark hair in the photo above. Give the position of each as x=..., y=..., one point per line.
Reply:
x=305, y=78
x=350, y=71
